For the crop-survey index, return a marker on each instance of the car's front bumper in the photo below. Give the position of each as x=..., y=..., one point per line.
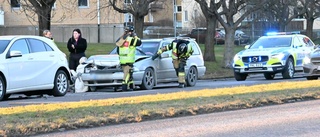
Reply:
x=263, y=69
x=109, y=79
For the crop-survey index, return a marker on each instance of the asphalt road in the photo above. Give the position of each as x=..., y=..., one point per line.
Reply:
x=299, y=119
x=20, y=100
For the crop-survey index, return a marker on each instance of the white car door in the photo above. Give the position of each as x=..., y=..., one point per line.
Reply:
x=45, y=62
x=21, y=68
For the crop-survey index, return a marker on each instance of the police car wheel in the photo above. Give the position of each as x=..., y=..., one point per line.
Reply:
x=240, y=77
x=288, y=71
x=269, y=76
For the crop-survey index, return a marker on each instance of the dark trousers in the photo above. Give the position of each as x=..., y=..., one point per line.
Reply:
x=74, y=60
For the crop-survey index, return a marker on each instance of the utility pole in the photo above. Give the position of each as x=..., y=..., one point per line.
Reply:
x=174, y=17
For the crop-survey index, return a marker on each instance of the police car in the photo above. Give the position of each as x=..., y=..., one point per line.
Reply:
x=275, y=53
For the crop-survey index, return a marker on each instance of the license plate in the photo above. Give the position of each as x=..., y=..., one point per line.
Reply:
x=255, y=65
x=318, y=67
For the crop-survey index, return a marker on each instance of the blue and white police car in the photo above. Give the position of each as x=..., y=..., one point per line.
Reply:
x=275, y=53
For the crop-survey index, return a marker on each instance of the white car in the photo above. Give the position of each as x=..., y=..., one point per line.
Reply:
x=276, y=53
x=32, y=65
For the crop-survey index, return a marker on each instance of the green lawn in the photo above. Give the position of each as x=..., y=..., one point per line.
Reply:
x=214, y=69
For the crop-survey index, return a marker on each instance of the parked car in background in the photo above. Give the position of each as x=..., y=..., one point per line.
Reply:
x=105, y=70
x=311, y=65
x=200, y=35
x=32, y=65
x=240, y=38
x=276, y=53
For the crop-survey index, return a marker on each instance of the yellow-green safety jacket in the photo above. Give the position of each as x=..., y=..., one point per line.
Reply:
x=127, y=50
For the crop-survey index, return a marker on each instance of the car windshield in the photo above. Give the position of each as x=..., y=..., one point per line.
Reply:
x=3, y=45
x=149, y=48
x=146, y=48
x=272, y=42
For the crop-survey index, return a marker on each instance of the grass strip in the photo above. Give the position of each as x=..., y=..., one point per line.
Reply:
x=35, y=119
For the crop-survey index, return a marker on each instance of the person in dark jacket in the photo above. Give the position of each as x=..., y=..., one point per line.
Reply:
x=77, y=47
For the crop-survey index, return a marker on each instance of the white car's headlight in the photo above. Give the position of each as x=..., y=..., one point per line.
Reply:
x=236, y=57
x=278, y=56
x=306, y=60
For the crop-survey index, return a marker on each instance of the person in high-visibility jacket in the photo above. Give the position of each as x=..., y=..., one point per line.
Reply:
x=181, y=51
x=127, y=51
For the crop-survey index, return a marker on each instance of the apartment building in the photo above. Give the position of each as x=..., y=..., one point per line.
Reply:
x=98, y=22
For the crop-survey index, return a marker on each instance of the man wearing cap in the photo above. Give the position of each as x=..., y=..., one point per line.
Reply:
x=127, y=49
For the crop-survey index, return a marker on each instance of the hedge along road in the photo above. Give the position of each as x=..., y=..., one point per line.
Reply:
x=105, y=93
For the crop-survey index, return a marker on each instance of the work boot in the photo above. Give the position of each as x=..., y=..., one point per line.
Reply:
x=181, y=85
x=124, y=87
x=131, y=86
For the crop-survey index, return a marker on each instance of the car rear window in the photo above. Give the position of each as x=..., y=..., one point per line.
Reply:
x=3, y=45
x=272, y=42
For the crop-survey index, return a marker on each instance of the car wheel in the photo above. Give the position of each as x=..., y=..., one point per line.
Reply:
x=148, y=79
x=192, y=77
x=288, y=71
x=312, y=77
x=2, y=89
x=61, y=84
x=269, y=76
x=93, y=89
x=240, y=77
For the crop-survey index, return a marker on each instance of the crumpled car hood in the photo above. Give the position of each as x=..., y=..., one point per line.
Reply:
x=109, y=60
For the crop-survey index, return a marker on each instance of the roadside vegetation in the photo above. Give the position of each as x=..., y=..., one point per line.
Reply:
x=44, y=118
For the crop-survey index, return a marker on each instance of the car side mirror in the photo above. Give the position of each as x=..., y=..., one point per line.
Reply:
x=15, y=53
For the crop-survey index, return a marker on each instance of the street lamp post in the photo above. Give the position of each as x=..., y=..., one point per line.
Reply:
x=174, y=17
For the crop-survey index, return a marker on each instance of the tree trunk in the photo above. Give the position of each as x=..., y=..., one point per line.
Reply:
x=209, y=41
x=138, y=24
x=282, y=27
x=309, y=32
x=44, y=17
x=229, y=47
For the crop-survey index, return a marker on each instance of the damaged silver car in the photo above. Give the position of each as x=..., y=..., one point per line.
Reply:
x=105, y=70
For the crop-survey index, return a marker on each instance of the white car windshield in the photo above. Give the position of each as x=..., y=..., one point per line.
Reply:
x=3, y=45
x=272, y=42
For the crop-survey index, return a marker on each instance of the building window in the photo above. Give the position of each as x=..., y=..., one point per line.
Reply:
x=186, y=15
x=83, y=3
x=15, y=3
x=128, y=1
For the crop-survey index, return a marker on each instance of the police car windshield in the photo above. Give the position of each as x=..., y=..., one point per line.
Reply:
x=3, y=45
x=272, y=42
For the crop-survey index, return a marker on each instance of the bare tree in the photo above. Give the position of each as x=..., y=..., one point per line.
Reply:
x=40, y=8
x=138, y=8
x=198, y=20
x=312, y=12
x=211, y=23
x=231, y=14
x=283, y=11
